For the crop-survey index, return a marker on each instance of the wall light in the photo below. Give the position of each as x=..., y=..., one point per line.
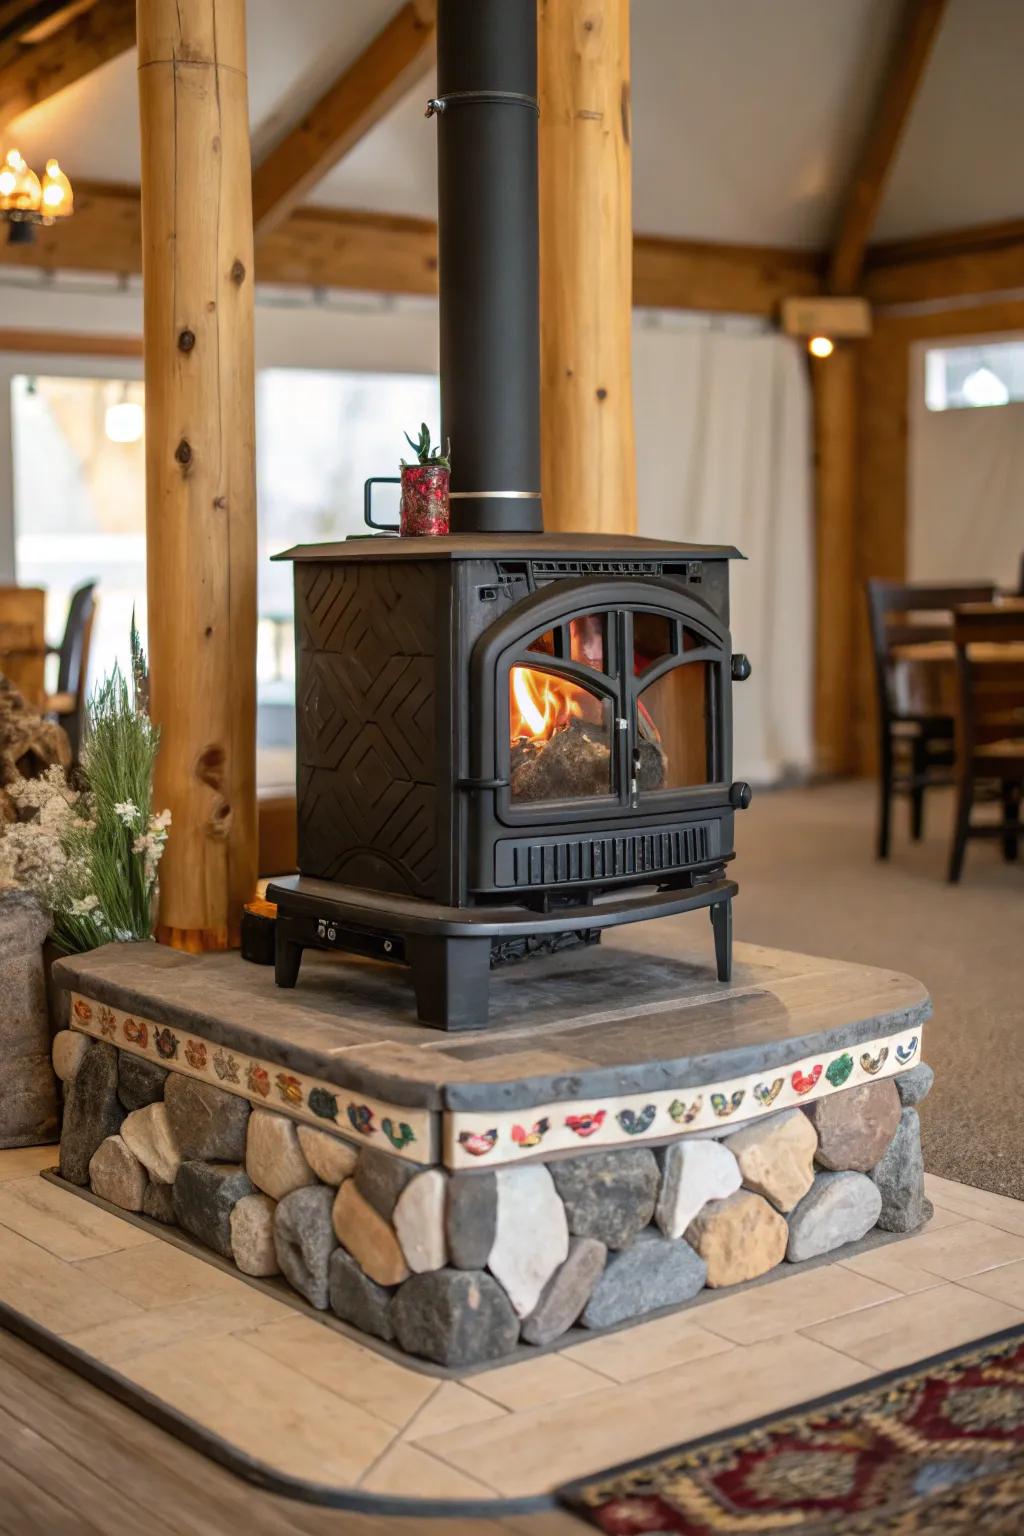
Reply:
x=821, y=346
x=125, y=421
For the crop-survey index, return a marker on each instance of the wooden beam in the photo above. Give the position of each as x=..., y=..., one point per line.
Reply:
x=586, y=282
x=921, y=22
x=736, y=279
x=89, y=39
x=69, y=344
x=390, y=253
x=399, y=56
x=200, y=458
x=987, y=258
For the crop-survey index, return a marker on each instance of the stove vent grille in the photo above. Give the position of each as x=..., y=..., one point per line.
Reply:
x=614, y=856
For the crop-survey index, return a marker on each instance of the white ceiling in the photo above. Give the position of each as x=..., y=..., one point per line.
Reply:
x=747, y=115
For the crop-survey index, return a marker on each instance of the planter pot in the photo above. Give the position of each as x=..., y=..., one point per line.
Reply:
x=424, y=499
x=28, y=1091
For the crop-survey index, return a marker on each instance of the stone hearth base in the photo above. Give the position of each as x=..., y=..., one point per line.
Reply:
x=459, y=1198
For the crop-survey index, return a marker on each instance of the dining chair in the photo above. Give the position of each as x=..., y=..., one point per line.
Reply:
x=915, y=733
x=990, y=726
x=67, y=704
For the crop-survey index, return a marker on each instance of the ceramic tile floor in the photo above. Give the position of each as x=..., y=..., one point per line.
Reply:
x=315, y=1403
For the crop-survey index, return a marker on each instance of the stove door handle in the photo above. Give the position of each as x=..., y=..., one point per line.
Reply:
x=471, y=784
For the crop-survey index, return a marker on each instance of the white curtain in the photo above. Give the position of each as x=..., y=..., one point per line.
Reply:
x=723, y=421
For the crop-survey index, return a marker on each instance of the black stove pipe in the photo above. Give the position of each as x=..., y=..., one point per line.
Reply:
x=486, y=111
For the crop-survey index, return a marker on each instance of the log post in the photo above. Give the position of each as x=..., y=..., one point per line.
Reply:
x=586, y=266
x=834, y=383
x=200, y=495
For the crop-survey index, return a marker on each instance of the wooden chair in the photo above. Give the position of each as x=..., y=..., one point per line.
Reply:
x=916, y=739
x=68, y=703
x=990, y=725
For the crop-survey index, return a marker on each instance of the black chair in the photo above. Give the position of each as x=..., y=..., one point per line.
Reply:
x=990, y=726
x=67, y=705
x=916, y=738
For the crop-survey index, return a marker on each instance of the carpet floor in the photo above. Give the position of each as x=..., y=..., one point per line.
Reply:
x=809, y=881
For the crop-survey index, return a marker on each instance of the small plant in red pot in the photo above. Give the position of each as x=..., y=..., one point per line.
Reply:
x=425, y=487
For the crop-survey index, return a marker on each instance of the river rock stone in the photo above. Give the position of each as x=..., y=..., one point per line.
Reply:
x=471, y=1216
x=419, y=1221
x=455, y=1317
x=915, y=1085
x=91, y=1111
x=357, y=1299
x=900, y=1179
x=205, y=1194
x=69, y=1048
x=653, y=1272
x=115, y=1174
x=158, y=1202
x=330, y=1158
x=531, y=1237
x=380, y=1179
x=855, y=1126
x=693, y=1172
x=29, y=1106
x=567, y=1292
x=776, y=1157
x=840, y=1208
x=608, y=1195
x=368, y=1237
x=148, y=1133
x=208, y=1125
x=273, y=1158
x=738, y=1238
x=139, y=1082
x=304, y=1239
x=252, y=1235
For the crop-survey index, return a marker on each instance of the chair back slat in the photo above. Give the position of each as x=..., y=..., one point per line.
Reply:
x=991, y=688
x=892, y=606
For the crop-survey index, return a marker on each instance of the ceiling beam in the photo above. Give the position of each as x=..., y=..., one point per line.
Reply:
x=398, y=56
x=957, y=263
x=729, y=279
x=921, y=22
x=38, y=71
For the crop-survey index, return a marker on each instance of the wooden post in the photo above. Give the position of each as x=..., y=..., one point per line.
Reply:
x=200, y=495
x=588, y=451
x=834, y=381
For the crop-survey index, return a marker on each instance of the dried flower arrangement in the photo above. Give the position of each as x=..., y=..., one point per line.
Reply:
x=89, y=851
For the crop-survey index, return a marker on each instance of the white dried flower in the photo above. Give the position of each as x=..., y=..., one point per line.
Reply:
x=81, y=908
x=128, y=812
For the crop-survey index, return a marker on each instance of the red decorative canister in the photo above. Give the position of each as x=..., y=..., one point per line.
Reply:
x=424, y=507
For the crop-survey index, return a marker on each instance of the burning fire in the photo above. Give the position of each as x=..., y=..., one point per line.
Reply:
x=541, y=704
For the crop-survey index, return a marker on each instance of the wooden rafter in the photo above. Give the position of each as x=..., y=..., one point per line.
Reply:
x=31, y=73
x=921, y=23
x=398, y=57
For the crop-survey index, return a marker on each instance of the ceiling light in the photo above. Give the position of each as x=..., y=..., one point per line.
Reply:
x=125, y=421
x=25, y=201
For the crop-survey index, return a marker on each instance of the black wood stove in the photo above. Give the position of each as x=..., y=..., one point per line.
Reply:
x=508, y=740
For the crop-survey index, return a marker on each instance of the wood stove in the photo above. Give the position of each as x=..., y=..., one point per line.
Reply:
x=507, y=739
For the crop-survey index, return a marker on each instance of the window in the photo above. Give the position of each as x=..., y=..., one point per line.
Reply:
x=959, y=378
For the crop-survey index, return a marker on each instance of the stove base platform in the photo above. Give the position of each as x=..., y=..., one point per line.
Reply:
x=450, y=950
x=457, y=1196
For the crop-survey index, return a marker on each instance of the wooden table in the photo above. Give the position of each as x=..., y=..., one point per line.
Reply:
x=23, y=640
x=924, y=673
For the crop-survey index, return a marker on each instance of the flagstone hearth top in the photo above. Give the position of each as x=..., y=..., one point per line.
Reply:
x=640, y=1014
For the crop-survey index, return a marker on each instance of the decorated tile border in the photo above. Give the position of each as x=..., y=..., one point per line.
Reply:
x=483, y=1138
x=405, y=1133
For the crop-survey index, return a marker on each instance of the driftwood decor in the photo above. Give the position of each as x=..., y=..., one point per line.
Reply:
x=28, y=745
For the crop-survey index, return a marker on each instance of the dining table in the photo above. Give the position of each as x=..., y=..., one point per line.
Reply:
x=924, y=671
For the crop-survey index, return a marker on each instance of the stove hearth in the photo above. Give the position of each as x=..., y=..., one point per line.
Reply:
x=507, y=739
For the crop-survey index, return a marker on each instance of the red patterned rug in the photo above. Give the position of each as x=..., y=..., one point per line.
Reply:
x=933, y=1449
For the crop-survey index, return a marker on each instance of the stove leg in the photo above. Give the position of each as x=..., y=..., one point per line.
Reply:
x=287, y=959
x=452, y=979
x=721, y=922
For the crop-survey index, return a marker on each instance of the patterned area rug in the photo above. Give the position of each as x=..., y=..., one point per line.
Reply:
x=933, y=1449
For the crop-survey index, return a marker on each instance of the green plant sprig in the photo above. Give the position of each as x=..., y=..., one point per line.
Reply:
x=425, y=454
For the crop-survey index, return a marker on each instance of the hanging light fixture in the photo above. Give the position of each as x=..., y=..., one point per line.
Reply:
x=26, y=201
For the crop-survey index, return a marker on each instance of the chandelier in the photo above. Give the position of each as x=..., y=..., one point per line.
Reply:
x=26, y=200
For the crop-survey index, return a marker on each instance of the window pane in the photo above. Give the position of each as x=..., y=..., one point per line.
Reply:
x=957, y=378
x=652, y=640
x=560, y=736
x=671, y=739
x=587, y=641
x=544, y=643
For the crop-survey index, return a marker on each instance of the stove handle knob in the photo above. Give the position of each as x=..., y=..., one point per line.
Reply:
x=741, y=667
x=740, y=795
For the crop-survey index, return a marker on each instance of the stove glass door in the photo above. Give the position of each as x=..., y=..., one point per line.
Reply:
x=560, y=737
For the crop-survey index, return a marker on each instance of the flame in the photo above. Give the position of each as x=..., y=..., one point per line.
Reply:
x=541, y=704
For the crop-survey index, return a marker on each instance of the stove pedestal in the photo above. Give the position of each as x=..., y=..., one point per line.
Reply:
x=449, y=949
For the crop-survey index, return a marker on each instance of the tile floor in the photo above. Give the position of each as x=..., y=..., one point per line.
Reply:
x=315, y=1403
